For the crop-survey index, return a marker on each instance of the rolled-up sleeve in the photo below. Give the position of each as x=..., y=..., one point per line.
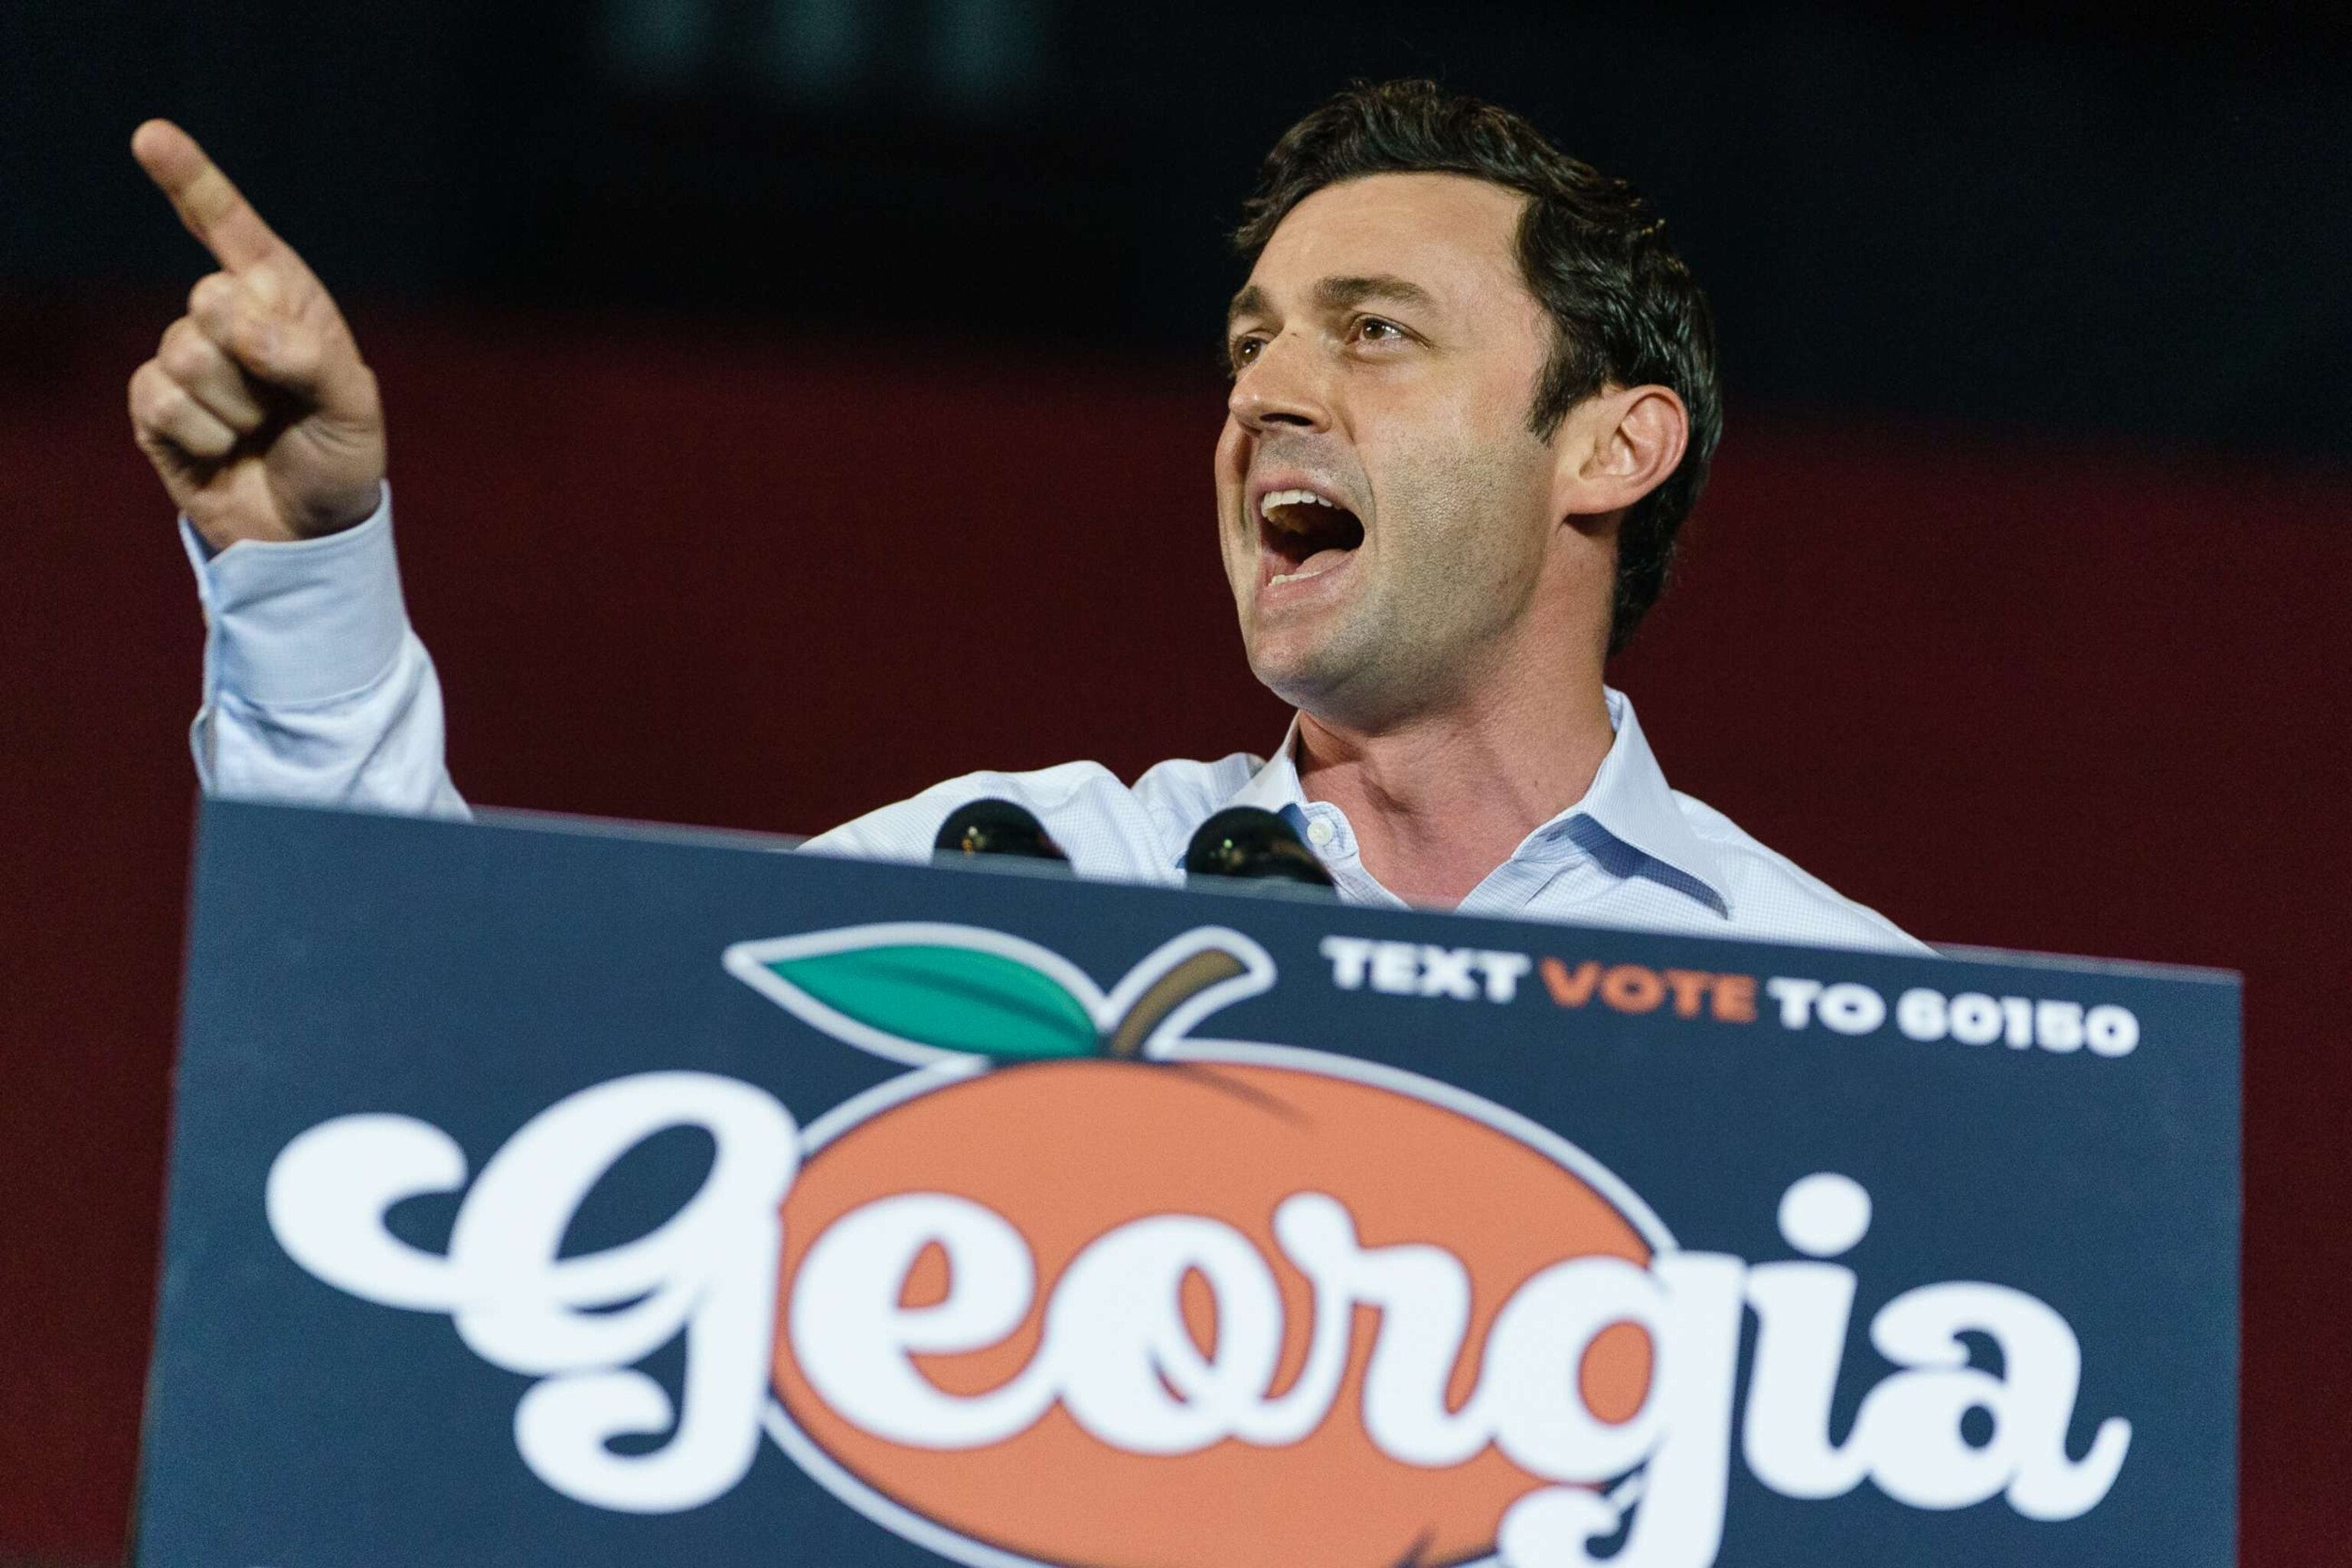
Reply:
x=316, y=687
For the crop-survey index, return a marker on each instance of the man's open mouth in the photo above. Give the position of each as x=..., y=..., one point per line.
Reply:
x=1303, y=534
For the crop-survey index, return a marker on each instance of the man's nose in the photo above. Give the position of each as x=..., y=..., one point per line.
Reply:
x=1281, y=388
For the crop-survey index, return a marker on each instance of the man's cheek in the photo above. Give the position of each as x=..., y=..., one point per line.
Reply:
x=1243, y=582
x=1232, y=458
x=1236, y=546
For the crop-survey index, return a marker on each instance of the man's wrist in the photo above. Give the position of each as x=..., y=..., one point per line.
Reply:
x=306, y=621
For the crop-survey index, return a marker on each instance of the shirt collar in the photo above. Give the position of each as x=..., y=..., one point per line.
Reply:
x=1629, y=801
x=1275, y=787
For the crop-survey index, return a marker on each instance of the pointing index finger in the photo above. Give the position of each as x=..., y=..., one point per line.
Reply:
x=221, y=219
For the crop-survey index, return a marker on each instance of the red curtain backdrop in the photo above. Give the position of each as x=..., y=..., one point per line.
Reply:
x=2007, y=693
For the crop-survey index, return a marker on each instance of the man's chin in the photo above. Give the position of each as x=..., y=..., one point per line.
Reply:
x=1352, y=677
x=1309, y=667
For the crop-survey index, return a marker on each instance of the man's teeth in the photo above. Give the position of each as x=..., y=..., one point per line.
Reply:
x=1309, y=570
x=1287, y=498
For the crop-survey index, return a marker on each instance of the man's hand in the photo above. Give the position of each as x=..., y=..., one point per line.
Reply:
x=256, y=409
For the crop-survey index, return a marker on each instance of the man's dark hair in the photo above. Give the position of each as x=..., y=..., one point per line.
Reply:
x=1625, y=309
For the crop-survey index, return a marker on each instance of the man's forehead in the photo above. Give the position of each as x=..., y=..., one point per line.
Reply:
x=1425, y=239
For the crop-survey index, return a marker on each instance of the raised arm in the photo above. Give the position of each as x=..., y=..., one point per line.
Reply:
x=266, y=427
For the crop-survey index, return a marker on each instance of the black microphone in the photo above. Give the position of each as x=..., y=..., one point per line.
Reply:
x=1244, y=841
x=996, y=827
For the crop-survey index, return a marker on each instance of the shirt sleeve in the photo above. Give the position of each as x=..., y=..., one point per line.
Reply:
x=315, y=689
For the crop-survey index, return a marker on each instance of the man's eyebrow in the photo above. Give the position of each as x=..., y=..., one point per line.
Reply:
x=1337, y=294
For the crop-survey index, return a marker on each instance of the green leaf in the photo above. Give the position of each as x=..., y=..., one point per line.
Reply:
x=954, y=998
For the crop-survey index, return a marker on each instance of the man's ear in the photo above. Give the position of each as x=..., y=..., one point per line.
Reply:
x=1620, y=445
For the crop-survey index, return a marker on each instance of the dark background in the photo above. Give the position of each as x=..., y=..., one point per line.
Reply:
x=795, y=402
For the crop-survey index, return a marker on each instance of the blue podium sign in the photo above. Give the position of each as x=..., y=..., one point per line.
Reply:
x=566, y=1193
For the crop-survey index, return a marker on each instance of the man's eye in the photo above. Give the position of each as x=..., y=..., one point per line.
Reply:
x=1372, y=330
x=1244, y=349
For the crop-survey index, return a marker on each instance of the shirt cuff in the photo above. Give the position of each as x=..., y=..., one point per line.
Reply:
x=305, y=621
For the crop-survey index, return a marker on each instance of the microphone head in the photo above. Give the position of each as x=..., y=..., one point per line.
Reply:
x=996, y=827
x=1245, y=841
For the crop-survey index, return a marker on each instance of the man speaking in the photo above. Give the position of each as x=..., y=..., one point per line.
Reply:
x=1473, y=398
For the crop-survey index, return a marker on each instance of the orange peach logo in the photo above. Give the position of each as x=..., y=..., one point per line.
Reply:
x=1124, y=1300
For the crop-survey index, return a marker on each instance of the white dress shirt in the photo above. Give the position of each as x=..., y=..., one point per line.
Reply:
x=317, y=690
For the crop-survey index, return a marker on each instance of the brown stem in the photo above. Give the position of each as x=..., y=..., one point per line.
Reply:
x=1186, y=980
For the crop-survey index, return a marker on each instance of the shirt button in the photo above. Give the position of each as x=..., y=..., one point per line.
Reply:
x=1318, y=832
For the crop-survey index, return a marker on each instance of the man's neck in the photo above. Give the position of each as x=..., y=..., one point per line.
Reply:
x=1439, y=801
